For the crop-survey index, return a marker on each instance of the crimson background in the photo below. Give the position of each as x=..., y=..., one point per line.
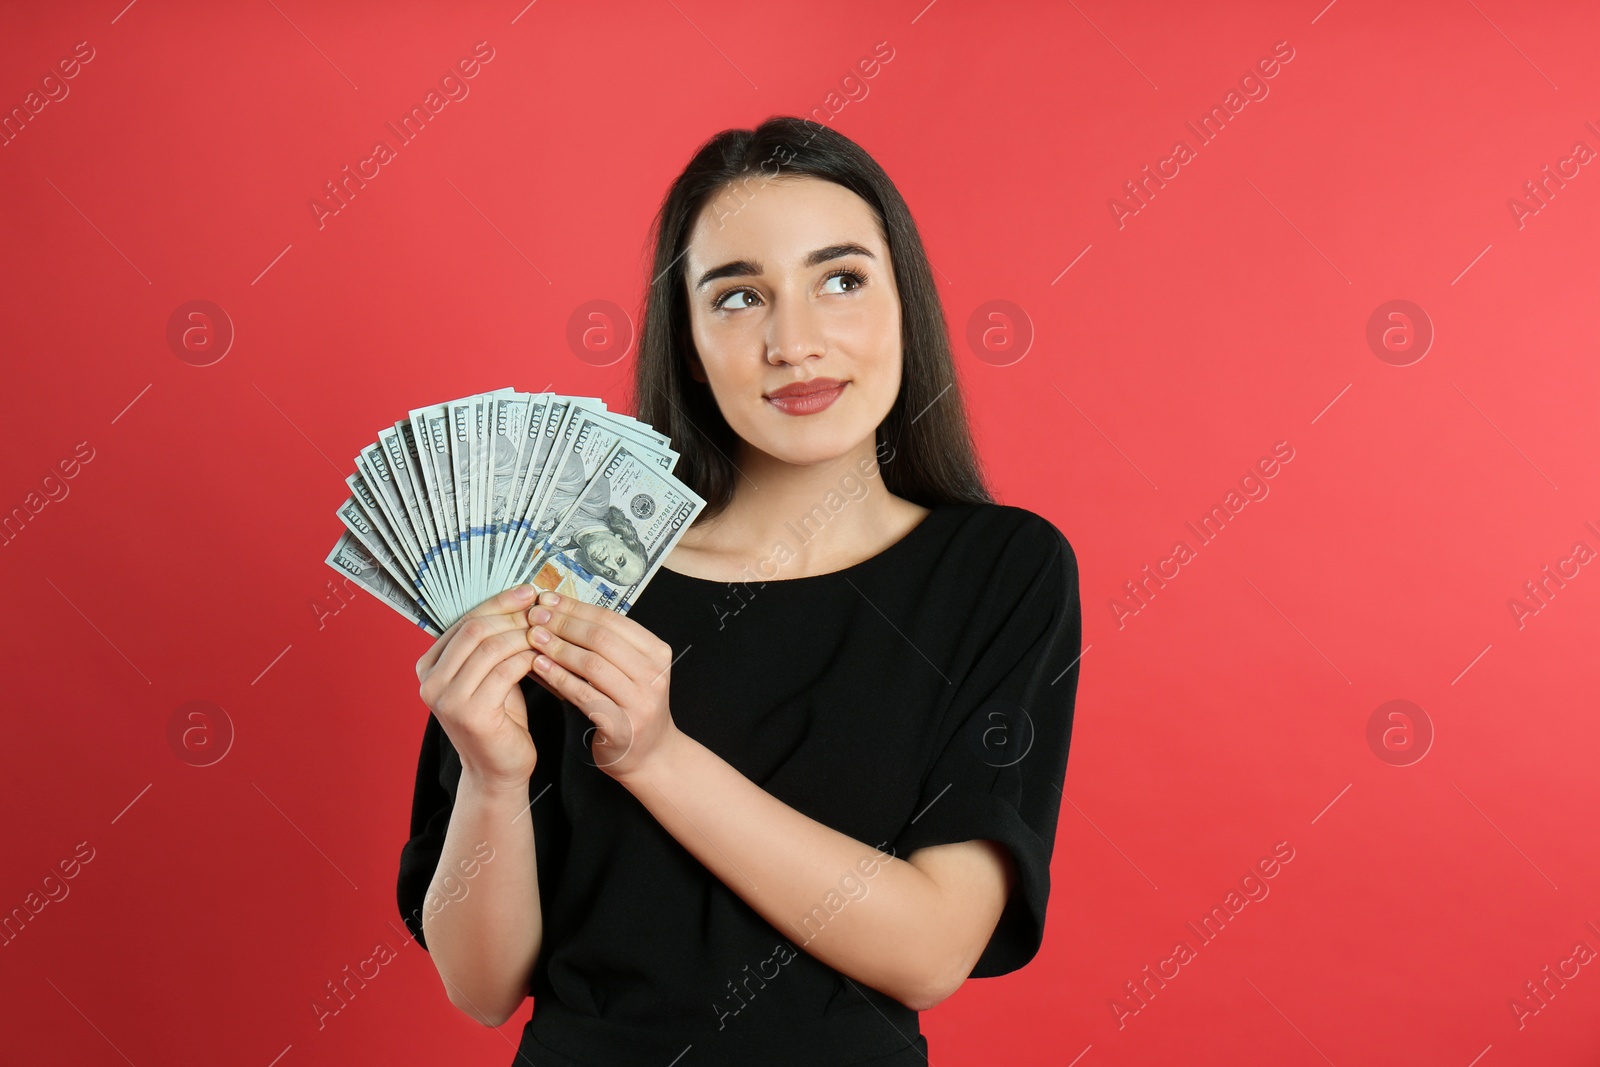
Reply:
x=1230, y=313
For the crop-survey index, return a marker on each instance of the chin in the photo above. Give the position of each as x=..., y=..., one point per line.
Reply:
x=805, y=453
x=810, y=439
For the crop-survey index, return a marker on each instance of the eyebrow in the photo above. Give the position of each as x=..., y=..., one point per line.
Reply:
x=742, y=268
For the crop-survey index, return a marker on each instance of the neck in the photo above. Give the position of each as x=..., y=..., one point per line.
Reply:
x=836, y=510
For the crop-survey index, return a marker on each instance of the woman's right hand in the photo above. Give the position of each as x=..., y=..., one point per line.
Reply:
x=470, y=681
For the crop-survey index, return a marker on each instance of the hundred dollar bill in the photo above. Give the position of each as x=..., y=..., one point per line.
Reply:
x=470, y=416
x=479, y=510
x=590, y=439
x=605, y=427
x=366, y=503
x=535, y=458
x=365, y=528
x=459, y=416
x=350, y=557
x=482, y=412
x=508, y=417
x=558, y=433
x=626, y=521
x=463, y=499
x=442, y=433
x=430, y=426
x=531, y=450
x=404, y=470
x=431, y=494
x=583, y=444
x=373, y=485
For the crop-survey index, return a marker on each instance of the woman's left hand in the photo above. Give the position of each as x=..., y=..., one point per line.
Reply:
x=614, y=671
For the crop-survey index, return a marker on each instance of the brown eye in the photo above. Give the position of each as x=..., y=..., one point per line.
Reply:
x=718, y=304
x=854, y=276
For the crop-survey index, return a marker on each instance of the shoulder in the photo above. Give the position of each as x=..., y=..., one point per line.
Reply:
x=1013, y=560
x=1019, y=535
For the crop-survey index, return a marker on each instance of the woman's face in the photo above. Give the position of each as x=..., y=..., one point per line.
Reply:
x=801, y=287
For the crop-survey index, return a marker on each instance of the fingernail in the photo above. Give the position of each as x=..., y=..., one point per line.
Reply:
x=549, y=598
x=523, y=592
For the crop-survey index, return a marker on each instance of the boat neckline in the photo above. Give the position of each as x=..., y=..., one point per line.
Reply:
x=906, y=540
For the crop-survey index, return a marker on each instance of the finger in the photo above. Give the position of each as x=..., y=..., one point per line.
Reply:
x=473, y=632
x=503, y=677
x=450, y=647
x=567, y=686
x=489, y=652
x=595, y=669
x=446, y=641
x=598, y=637
x=539, y=677
x=543, y=682
x=636, y=635
x=510, y=601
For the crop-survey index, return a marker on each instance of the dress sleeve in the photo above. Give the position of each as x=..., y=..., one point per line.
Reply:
x=431, y=804
x=998, y=773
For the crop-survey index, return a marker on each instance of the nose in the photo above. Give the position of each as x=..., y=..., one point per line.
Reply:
x=793, y=333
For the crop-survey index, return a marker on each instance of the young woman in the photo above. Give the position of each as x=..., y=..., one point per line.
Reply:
x=810, y=784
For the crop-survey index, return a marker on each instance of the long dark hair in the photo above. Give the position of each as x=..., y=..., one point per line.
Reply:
x=924, y=446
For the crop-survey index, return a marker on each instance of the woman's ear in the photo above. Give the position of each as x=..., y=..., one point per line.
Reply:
x=697, y=371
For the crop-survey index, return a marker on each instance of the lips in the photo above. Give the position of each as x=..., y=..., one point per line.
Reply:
x=805, y=388
x=808, y=397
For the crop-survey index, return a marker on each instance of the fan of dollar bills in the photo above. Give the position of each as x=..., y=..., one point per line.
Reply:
x=464, y=499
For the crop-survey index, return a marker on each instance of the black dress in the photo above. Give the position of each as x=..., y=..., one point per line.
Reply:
x=920, y=697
